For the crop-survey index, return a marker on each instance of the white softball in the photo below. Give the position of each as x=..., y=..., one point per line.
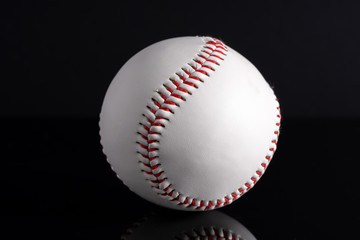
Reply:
x=188, y=123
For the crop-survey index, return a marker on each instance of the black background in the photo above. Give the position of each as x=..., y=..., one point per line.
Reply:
x=59, y=57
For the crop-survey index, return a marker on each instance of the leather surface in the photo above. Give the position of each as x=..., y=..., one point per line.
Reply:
x=214, y=142
x=217, y=139
x=125, y=102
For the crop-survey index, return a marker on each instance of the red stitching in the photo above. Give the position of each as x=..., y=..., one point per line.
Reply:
x=169, y=102
x=165, y=109
x=213, y=46
x=190, y=84
x=219, y=52
x=207, y=51
x=152, y=110
x=174, y=82
x=216, y=56
x=176, y=95
x=195, y=78
x=209, y=60
x=168, y=88
x=181, y=76
x=200, y=71
x=182, y=89
x=187, y=72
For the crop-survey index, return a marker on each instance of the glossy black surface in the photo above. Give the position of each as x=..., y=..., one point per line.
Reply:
x=67, y=53
x=59, y=57
x=54, y=179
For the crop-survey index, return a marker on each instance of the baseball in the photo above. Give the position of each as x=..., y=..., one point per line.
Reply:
x=190, y=124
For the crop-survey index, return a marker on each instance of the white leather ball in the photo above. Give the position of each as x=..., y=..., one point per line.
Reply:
x=188, y=123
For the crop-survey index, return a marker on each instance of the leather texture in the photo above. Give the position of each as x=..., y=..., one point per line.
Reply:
x=211, y=146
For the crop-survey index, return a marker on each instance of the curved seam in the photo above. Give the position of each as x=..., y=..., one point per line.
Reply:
x=169, y=97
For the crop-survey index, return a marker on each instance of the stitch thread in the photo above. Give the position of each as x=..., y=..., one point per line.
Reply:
x=148, y=159
x=169, y=97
